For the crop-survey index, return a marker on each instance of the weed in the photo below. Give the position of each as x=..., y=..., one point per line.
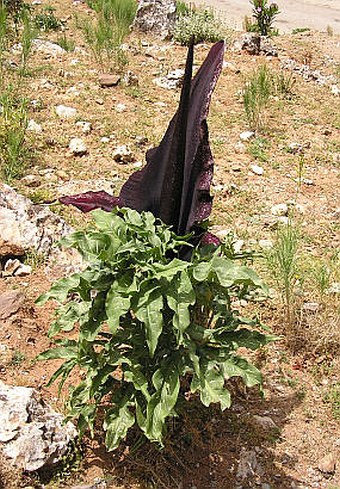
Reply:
x=284, y=84
x=27, y=35
x=34, y=259
x=106, y=34
x=13, y=125
x=46, y=20
x=201, y=24
x=66, y=43
x=300, y=30
x=182, y=8
x=256, y=94
x=333, y=398
x=256, y=148
x=18, y=357
x=282, y=261
x=330, y=31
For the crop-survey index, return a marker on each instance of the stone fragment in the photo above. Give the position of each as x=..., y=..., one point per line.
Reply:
x=31, y=180
x=171, y=81
x=78, y=147
x=246, y=135
x=335, y=90
x=267, y=48
x=23, y=270
x=249, y=42
x=258, y=170
x=32, y=434
x=86, y=127
x=10, y=303
x=156, y=16
x=334, y=288
x=265, y=244
x=279, y=210
x=120, y=108
x=247, y=465
x=295, y=148
x=65, y=112
x=34, y=126
x=327, y=464
x=11, y=267
x=122, y=154
x=104, y=140
x=240, y=148
x=131, y=79
x=48, y=48
x=311, y=307
x=265, y=423
x=25, y=226
x=107, y=80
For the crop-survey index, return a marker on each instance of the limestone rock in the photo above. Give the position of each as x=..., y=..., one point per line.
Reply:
x=34, y=126
x=122, y=154
x=86, y=127
x=65, y=112
x=156, y=16
x=265, y=423
x=258, y=170
x=327, y=464
x=249, y=42
x=77, y=147
x=279, y=210
x=48, y=48
x=246, y=135
x=32, y=434
x=25, y=226
x=171, y=81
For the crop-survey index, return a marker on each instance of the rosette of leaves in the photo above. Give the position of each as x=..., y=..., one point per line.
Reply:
x=149, y=329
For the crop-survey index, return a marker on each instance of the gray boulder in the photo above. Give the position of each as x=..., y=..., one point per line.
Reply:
x=32, y=434
x=156, y=16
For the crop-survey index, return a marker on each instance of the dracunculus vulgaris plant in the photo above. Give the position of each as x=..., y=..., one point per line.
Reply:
x=153, y=315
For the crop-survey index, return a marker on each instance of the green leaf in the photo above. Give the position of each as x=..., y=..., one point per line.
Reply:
x=201, y=271
x=229, y=273
x=117, y=422
x=180, y=296
x=148, y=311
x=210, y=384
x=239, y=367
x=245, y=338
x=115, y=306
x=169, y=270
x=162, y=402
x=60, y=290
x=66, y=352
x=135, y=375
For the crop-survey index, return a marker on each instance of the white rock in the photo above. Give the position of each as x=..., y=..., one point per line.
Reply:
x=279, y=210
x=47, y=47
x=334, y=288
x=240, y=148
x=295, y=148
x=23, y=270
x=11, y=266
x=258, y=170
x=34, y=126
x=86, y=127
x=32, y=434
x=265, y=244
x=77, y=146
x=105, y=140
x=246, y=135
x=238, y=245
x=123, y=154
x=120, y=108
x=335, y=90
x=65, y=112
x=265, y=422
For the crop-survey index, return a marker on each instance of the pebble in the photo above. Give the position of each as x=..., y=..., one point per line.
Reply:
x=62, y=174
x=120, y=108
x=105, y=140
x=246, y=135
x=240, y=148
x=122, y=154
x=266, y=244
x=11, y=267
x=23, y=270
x=65, y=112
x=108, y=80
x=34, y=126
x=31, y=180
x=85, y=126
x=335, y=90
x=131, y=79
x=327, y=464
x=295, y=148
x=77, y=146
x=279, y=210
x=258, y=170
x=265, y=422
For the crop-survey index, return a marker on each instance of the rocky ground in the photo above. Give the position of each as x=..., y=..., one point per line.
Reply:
x=86, y=135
